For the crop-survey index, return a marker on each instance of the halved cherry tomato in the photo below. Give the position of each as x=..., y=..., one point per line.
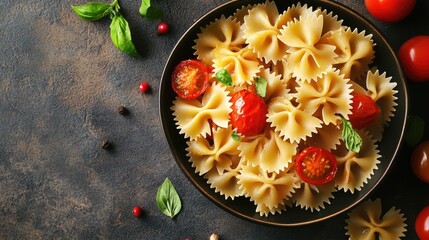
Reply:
x=315, y=165
x=190, y=79
x=422, y=224
x=249, y=112
x=364, y=110
x=420, y=161
x=414, y=57
x=390, y=10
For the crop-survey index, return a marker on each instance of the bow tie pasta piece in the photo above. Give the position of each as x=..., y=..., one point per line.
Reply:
x=219, y=154
x=226, y=183
x=269, y=151
x=261, y=27
x=313, y=197
x=290, y=122
x=308, y=59
x=367, y=222
x=192, y=116
x=330, y=94
x=223, y=33
x=269, y=189
x=242, y=12
x=354, y=50
x=355, y=169
x=242, y=64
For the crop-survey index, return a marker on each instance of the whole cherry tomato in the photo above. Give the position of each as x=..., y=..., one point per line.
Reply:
x=414, y=57
x=420, y=161
x=390, y=10
x=364, y=110
x=249, y=112
x=315, y=165
x=422, y=224
x=190, y=79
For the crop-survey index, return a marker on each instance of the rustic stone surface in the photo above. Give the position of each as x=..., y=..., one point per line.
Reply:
x=62, y=81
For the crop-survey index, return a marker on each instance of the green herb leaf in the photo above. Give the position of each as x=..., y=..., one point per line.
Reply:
x=224, y=77
x=168, y=199
x=350, y=137
x=415, y=130
x=149, y=11
x=261, y=86
x=121, y=35
x=235, y=136
x=93, y=11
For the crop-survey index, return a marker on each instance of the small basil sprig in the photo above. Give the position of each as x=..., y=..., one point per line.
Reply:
x=224, y=77
x=261, y=86
x=350, y=137
x=168, y=199
x=149, y=11
x=120, y=32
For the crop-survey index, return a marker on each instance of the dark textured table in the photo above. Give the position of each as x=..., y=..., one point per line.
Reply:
x=62, y=81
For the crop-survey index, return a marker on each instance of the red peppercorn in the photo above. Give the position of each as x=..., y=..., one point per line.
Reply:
x=163, y=28
x=137, y=211
x=144, y=87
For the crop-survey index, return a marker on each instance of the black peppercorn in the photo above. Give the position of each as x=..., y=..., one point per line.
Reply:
x=106, y=145
x=123, y=110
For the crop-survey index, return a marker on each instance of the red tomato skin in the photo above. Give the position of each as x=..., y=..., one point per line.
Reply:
x=364, y=110
x=414, y=57
x=422, y=224
x=248, y=114
x=182, y=82
x=319, y=153
x=420, y=161
x=390, y=10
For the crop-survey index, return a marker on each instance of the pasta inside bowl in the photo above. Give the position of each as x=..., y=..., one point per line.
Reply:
x=313, y=56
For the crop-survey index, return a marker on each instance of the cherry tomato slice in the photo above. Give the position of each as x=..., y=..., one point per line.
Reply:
x=422, y=224
x=249, y=112
x=390, y=10
x=420, y=161
x=364, y=110
x=414, y=57
x=190, y=79
x=315, y=165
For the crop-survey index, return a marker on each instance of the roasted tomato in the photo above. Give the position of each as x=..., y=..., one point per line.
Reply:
x=422, y=224
x=390, y=10
x=414, y=57
x=420, y=161
x=364, y=110
x=190, y=79
x=249, y=112
x=315, y=165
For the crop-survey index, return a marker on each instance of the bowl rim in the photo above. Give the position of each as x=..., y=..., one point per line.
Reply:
x=401, y=80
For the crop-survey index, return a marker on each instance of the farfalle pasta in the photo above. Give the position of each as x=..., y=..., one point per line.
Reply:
x=309, y=66
x=367, y=222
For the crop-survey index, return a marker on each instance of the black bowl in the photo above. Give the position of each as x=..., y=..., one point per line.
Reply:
x=385, y=60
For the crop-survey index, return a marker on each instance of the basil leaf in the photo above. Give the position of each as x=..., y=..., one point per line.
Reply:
x=415, y=130
x=148, y=11
x=121, y=35
x=261, y=86
x=168, y=199
x=350, y=137
x=92, y=11
x=235, y=136
x=224, y=77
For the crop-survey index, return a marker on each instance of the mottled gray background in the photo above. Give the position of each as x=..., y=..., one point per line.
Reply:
x=62, y=81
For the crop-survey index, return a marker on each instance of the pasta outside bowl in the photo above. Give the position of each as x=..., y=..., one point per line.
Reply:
x=292, y=212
